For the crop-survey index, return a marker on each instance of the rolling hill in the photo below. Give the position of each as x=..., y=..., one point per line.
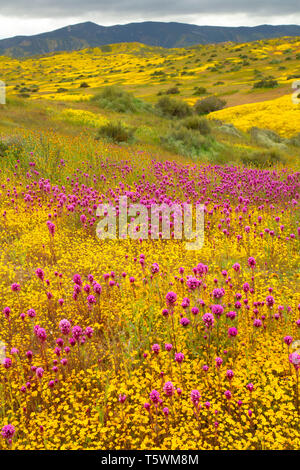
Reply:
x=168, y=35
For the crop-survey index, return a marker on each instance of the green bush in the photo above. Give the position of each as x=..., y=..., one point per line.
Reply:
x=186, y=142
x=11, y=146
x=263, y=159
x=295, y=140
x=197, y=124
x=172, y=107
x=265, y=137
x=199, y=90
x=116, y=132
x=119, y=100
x=172, y=91
x=266, y=83
x=229, y=129
x=209, y=104
x=158, y=73
x=24, y=90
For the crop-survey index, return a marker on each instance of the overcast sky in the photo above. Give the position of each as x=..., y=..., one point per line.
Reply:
x=24, y=17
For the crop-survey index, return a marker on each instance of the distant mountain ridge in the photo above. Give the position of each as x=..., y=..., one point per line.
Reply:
x=152, y=33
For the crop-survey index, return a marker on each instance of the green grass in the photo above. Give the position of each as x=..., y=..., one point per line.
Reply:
x=155, y=115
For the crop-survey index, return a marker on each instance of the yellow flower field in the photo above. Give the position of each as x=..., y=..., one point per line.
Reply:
x=142, y=344
x=80, y=117
x=280, y=115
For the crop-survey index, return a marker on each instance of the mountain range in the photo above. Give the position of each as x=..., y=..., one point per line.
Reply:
x=152, y=33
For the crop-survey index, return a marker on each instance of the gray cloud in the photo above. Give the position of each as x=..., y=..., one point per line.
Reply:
x=155, y=9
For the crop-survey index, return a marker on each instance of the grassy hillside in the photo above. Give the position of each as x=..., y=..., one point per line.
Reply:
x=141, y=342
x=228, y=70
x=63, y=92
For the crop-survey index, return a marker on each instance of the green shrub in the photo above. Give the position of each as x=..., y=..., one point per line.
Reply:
x=236, y=68
x=295, y=140
x=116, y=132
x=187, y=142
x=197, y=124
x=266, y=83
x=265, y=137
x=11, y=146
x=24, y=90
x=199, y=90
x=263, y=159
x=158, y=73
x=229, y=129
x=119, y=100
x=172, y=107
x=172, y=91
x=209, y=104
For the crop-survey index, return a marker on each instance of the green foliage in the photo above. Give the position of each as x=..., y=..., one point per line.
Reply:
x=263, y=159
x=172, y=91
x=197, y=124
x=84, y=85
x=24, y=89
x=199, y=90
x=171, y=107
x=3, y=148
x=274, y=62
x=10, y=147
x=158, y=73
x=209, y=104
x=188, y=142
x=265, y=137
x=295, y=140
x=266, y=83
x=119, y=100
x=116, y=132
